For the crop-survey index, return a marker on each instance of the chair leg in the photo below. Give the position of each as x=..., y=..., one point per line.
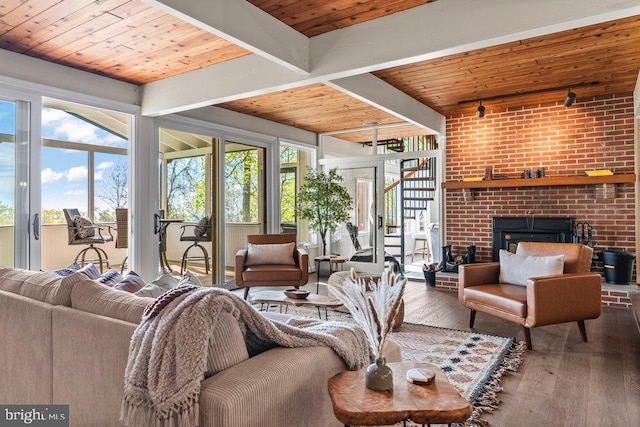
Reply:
x=246, y=294
x=583, y=330
x=124, y=263
x=472, y=318
x=185, y=258
x=527, y=337
x=100, y=253
x=413, y=253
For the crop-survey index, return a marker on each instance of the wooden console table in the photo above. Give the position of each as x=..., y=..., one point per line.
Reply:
x=438, y=402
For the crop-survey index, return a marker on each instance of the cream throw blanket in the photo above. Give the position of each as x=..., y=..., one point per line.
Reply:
x=168, y=350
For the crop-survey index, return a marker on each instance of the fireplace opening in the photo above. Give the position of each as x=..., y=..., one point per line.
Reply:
x=507, y=232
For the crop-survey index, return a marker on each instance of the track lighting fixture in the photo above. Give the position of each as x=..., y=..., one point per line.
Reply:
x=570, y=99
x=480, y=112
x=571, y=96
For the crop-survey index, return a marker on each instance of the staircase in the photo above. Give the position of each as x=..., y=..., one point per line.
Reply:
x=417, y=187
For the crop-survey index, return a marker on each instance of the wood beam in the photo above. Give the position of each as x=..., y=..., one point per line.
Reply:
x=374, y=91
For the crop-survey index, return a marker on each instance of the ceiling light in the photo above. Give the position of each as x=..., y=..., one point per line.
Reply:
x=570, y=99
x=480, y=112
x=528, y=92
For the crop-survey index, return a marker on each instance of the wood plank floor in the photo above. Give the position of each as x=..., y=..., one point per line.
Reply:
x=563, y=380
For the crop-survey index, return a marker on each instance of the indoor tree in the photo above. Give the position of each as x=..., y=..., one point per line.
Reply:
x=324, y=201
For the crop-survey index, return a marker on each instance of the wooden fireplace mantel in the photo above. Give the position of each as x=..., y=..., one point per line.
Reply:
x=541, y=182
x=603, y=190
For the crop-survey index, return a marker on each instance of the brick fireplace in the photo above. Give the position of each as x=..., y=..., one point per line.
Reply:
x=593, y=134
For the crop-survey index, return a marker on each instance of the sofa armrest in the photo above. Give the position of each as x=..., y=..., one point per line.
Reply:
x=280, y=387
x=241, y=259
x=303, y=263
x=565, y=298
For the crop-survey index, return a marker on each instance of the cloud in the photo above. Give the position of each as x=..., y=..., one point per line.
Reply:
x=104, y=165
x=58, y=124
x=77, y=173
x=48, y=175
x=75, y=193
x=98, y=176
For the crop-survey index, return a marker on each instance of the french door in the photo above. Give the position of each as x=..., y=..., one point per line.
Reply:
x=19, y=182
x=361, y=238
x=380, y=215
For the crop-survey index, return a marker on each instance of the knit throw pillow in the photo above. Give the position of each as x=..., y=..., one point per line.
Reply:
x=202, y=227
x=84, y=227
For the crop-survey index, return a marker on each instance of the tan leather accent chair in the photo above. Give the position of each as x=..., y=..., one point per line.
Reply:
x=289, y=275
x=572, y=296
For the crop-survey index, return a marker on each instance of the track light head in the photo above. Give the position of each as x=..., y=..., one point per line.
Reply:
x=570, y=99
x=480, y=112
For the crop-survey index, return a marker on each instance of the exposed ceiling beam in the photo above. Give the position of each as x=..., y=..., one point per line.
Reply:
x=374, y=91
x=433, y=30
x=239, y=78
x=244, y=25
x=439, y=29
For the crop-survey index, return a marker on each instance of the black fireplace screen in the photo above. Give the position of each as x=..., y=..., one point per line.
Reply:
x=509, y=231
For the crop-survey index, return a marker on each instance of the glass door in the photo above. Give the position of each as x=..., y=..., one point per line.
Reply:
x=244, y=197
x=84, y=167
x=7, y=183
x=361, y=239
x=18, y=239
x=187, y=225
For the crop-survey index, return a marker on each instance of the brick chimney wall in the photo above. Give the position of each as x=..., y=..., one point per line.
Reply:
x=592, y=134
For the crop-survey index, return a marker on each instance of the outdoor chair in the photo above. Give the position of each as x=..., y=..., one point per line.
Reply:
x=82, y=231
x=200, y=232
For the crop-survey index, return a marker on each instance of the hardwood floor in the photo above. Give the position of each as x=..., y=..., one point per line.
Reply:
x=563, y=381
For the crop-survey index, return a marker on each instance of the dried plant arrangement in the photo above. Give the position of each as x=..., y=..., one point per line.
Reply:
x=372, y=305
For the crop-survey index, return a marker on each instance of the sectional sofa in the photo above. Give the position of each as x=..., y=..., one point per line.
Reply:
x=66, y=340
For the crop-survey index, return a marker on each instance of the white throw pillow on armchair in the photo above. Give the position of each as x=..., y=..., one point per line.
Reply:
x=517, y=269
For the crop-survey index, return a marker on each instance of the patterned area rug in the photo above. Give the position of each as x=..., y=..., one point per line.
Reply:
x=474, y=363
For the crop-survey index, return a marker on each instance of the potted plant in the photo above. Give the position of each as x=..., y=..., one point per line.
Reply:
x=324, y=202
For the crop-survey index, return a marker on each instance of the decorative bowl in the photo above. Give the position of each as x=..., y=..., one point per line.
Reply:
x=296, y=293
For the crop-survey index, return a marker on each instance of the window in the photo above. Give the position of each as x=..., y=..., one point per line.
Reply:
x=84, y=164
x=294, y=163
x=186, y=188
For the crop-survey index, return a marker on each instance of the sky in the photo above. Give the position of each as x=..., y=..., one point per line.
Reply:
x=64, y=173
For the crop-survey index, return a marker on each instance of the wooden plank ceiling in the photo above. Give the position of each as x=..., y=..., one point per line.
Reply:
x=131, y=41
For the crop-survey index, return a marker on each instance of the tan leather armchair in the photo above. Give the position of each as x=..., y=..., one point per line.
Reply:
x=248, y=276
x=572, y=296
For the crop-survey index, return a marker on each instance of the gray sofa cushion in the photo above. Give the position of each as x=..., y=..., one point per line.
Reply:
x=40, y=286
x=93, y=297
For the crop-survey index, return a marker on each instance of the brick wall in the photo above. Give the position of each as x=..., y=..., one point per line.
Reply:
x=592, y=134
